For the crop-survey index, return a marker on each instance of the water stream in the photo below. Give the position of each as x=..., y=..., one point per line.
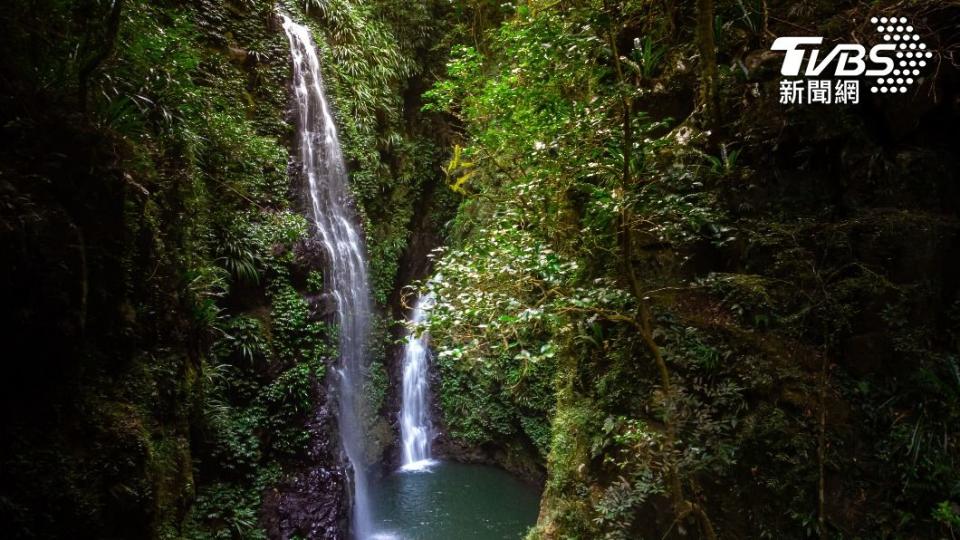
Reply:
x=346, y=269
x=416, y=430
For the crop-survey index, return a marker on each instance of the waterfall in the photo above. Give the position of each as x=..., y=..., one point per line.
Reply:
x=346, y=268
x=415, y=428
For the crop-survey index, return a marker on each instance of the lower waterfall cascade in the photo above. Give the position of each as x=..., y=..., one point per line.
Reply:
x=416, y=430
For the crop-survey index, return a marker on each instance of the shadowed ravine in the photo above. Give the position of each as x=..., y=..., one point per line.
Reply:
x=426, y=499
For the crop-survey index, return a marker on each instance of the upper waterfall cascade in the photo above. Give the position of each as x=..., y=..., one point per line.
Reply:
x=345, y=276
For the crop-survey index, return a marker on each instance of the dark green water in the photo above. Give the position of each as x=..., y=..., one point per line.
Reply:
x=453, y=501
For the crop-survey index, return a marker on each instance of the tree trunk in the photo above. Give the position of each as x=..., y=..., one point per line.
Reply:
x=709, y=99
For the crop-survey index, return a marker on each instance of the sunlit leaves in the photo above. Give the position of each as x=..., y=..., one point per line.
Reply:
x=458, y=170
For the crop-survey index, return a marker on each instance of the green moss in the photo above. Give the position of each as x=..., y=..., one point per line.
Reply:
x=572, y=432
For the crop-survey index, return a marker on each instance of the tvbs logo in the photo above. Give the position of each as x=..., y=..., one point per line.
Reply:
x=892, y=65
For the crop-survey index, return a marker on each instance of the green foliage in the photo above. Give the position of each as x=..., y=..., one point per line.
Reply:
x=204, y=287
x=292, y=390
x=237, y=447
x=209, y=150
x=315, y=282
x=195, y=362
x=237, y=254
x=647, y=56
x=243, y=337
x=947, y=514
x=617, y=508
x=290, y=398
x=229, y=511
x=295, y=338
x=253, y=422
x=567, y=183
x=725, y=163
x=375, y=389
x=513, y=286
x=369, y=50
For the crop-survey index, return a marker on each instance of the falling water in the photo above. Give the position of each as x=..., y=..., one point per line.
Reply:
x=346, y=271
x=415, y=428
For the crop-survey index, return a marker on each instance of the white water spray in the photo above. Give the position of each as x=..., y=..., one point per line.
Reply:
x=346, y=268
x=415, y=428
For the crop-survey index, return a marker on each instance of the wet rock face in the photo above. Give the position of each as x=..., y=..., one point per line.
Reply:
x=313, y=503
x=309, y=255
x=322, y=306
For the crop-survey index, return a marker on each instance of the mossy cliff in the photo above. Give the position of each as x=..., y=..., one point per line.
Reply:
x=168, y=339
x=711, y=313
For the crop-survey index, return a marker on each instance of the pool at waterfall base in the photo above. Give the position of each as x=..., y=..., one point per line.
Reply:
x=447, y=500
